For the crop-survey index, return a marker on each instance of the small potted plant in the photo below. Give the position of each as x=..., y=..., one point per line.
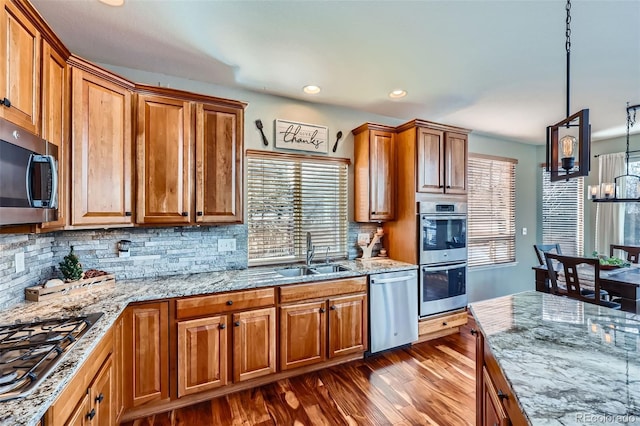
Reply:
x=71, y=267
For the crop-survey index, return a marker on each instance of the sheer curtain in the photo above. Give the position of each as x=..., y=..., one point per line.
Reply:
x=609, y=216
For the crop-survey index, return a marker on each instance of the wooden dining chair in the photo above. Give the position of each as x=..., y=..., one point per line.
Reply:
x=541, y=249
x=633, y=252
x=573, y=288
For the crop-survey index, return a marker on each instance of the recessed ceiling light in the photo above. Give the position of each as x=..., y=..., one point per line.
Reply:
x=112, y=2
x=399, y=93
x=311, y=89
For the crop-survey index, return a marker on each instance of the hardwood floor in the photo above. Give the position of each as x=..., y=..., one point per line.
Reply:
x=431, y=383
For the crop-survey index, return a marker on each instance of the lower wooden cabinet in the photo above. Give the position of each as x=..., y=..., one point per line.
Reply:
x=496, y=403
x=331, y=326
x=88, y=398
x=146, y=353
x=212, y=356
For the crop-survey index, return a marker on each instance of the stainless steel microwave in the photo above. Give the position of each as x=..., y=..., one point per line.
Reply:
x=28, y=177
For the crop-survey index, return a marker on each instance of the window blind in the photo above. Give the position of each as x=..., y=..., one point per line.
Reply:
x=288, y=196
x=563, y=214
x=632, y=210
x=491, y=210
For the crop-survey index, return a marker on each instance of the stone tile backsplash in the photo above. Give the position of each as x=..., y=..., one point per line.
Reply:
x=154, y=252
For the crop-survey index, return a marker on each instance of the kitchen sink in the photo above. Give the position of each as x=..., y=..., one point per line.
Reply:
x=296, y=271
x=329, y=269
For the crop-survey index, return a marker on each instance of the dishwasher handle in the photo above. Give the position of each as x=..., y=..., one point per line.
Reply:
x=392, y=280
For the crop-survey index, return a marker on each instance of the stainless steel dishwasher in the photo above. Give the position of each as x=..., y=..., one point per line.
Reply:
x=393, y=309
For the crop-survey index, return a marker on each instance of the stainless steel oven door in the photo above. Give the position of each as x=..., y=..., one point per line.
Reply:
x=442, y=238
x=442, y=288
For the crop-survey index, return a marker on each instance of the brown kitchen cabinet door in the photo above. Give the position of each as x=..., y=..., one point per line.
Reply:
x=80, y=415
x=347, y=325
x=163, y=159
x=20, y=70
x=430, y=158
x=102, y=393
x=382, y=173
x=493, y=414
x=219, y=146
x=101, y=151
x=118, y=366
x=55, y=127
x=254, y=344
x=456, y=163
x=146, y=353
x=303, y=331
x=202, y=354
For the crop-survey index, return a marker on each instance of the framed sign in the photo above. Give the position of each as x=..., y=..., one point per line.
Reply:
x=301, y=136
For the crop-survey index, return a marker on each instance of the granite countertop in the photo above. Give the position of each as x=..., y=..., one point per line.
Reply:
x=568, y=362
x=112, y=301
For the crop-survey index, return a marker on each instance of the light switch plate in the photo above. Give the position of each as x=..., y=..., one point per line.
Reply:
x=227, y=244
x=364, y=238
x=19, y=262
x=524, y=231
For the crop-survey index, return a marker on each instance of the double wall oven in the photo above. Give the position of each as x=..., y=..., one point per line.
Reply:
x=442, y=243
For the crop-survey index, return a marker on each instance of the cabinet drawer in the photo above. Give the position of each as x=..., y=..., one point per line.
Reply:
x=442, y=322
x=226, y=302
x=323, y=289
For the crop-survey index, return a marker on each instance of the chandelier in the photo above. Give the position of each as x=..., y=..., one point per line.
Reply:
x=623, y=185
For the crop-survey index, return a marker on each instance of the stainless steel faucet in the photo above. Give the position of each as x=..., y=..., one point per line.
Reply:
x=310, y=249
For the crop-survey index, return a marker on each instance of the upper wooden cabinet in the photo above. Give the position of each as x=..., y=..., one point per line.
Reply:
x=374, y=165
x=189, y=158
x=163, y=159
x=219, y=145
x=55, y=121
x=101, y=151
x=20, y=73
x=441, y=158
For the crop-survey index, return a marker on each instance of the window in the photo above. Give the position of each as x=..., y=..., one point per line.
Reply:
x=632, y=210
x=290, y=195
x=492, y=205
x=562, y=213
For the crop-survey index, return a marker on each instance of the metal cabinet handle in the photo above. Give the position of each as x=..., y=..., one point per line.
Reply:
x=374, y=213
x=127, y=213
x=333, y=307
x=229, y=302
x=222, y=326
x=6, y=102
x=448, y=186
x=237, y=323
x=322, y=310
x=199, y=213
x=502, y=396
x=91, y=414
x=185, y=214
x=474, y=332
x=99, y=398
x=444, y=323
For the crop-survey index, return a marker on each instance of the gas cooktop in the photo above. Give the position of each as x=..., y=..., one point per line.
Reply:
x=30, y=351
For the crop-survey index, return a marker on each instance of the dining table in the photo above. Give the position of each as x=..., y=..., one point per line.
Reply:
x=622, y=284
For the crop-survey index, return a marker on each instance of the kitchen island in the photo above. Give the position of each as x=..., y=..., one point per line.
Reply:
x=551, y=360
x=112, y=302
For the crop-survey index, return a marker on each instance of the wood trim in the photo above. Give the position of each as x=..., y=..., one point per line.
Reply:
x=430, y=124
x=84, y=65
x=144, y=89
x=321, y=289
x=276, y=155
x=494, y=157
x=373, y=126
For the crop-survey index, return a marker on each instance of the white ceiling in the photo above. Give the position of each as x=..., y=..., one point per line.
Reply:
x=497, y=67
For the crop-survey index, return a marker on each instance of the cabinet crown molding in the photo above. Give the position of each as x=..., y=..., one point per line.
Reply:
x=416, y=122
x=373, y=126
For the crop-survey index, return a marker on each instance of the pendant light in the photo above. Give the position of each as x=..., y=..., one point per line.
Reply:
x=618, y=190
x=569, y=139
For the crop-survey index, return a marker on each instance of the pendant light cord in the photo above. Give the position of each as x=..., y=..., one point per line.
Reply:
x=568, y=48
x=631, y=120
